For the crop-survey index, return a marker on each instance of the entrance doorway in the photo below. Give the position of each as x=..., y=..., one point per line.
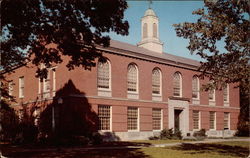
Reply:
x=177, y=113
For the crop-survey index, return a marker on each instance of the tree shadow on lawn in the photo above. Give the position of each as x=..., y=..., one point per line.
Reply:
x=213, y=148
x=105, y=150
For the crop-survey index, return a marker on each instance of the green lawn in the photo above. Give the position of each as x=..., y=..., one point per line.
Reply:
x=209, y=150
x=168, y=141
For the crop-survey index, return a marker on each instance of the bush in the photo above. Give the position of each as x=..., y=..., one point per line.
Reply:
x=153, y=138
x=200, y=135
x=166, y=133
x=177, y=134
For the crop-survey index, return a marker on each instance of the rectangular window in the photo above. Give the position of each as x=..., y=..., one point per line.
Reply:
x=212, y=120
x=132, y=118
x=10, y=88
x=21, y=87
x=226, y=120
x=104, y=115
x=196, y=119
x=157, y=119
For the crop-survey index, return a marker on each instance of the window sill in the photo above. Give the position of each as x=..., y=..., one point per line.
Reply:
x=137, y=130
x=132, y=95
x=104, y=92
x=156, y=97
x=212, y=102
x=195, y=101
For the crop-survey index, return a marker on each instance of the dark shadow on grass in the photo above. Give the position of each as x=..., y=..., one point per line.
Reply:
x=213, y=148
x=74, y=152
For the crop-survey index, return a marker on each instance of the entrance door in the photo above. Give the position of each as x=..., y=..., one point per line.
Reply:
x=177, y=119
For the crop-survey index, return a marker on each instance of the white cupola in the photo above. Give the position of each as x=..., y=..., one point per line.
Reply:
x=150, y=32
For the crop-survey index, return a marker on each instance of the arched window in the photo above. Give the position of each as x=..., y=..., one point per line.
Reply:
x=195, y=87
x=145, y=30
x=177, y=84
x=156, y=81
x=155, y=30
x=226, y=93
x=103, y=75
x=132, y=78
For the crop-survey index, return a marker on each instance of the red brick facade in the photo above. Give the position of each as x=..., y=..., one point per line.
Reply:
x=86, y=82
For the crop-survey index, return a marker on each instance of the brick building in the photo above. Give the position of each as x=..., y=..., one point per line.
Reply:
x=136, y=93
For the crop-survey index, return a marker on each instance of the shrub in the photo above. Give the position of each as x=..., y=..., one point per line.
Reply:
x=153, y=138
x=166, y=133
x=177, y=134
x=201, y=134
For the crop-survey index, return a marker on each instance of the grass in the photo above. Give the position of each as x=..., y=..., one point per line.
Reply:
x=232, y=149
x=210, y=150
x=167, y=141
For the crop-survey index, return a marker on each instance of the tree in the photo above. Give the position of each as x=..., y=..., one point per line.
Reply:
x=228, y=21
x=221, y=20
x=74, y=26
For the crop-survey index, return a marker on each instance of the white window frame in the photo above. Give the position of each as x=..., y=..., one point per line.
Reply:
x=138, y=119
x=54, y=81
x=47, y=80
x=105, y=89
x=137, y=80
x=213, y=99
x=161, y=123
x=198, y=88
x=160, y=90
x=214, y=121
x=21, y=88
x=178, y=73
x=110, y=119
x=10, y=88
x=199, y=120
x=227, y=89
x=228, y=121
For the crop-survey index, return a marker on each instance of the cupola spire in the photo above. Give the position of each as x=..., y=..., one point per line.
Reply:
x=150, y=32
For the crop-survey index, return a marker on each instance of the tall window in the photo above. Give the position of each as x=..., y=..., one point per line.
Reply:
x=196, y=119
x=10, y=87
x=226, y=120
x=195, y=87
x=156, y=81
x=211, y=94
x=21, y=87
x=145, y=30
x=212, y=120
x=54, y=81
x=46, y=86
x=226, y=93
x=155, y=30
x=132, y=118
x=103, y=75
x=157, y=119
x=104, y=117
x=177, y=84
x=132, y=78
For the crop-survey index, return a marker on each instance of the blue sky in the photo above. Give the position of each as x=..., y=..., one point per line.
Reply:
x=169, y=13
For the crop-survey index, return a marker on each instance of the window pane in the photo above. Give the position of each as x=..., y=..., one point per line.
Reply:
x=156, y=83
x=195, y=90
x=196, y=119
x=145, y=30
x=156, y=117
x=103, y=75
x=226, y=120
x=132, y=78
x=177, y=84
x=225, y=94
x=212, y=120
x=154, y=30
x=132, y=118
x=104, y=117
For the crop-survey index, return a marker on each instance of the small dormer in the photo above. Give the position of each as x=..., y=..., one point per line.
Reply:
x=150, y=32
